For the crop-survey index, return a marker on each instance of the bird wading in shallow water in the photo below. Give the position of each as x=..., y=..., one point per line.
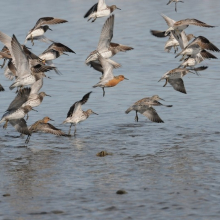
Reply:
x=45, y=127
x=76, y=114
x=144, y=106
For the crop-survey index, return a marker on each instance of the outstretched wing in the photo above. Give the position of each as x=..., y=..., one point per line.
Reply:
x=91, y=10
x=49, y=128
x=20, y=125
x=48, y=21
x=20, y=99
x=151, y=114
x=193, y=21
x=106, y=34
x=59, y=47
x=77, y=105
x=177, y=84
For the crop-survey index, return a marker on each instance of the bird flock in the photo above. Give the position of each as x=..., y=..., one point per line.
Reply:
x=28, y=70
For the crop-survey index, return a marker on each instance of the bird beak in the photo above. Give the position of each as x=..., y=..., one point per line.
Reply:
x=118, y=8
x=49, y=96
x=126, y=78
x=34, y=110
x=51, y=119
x=95, y=113
x=161, y=99
x=50, y=29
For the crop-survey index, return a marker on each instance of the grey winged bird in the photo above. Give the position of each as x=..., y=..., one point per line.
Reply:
x=144, y=106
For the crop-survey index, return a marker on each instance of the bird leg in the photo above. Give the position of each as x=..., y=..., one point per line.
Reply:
x=70, y=128
x=6, y=124
x=28, y=139
x=165, y=83
x=136, y=117
x=103, y=91
x=175, y=6
x=3, y=63
x=75, y=131
x=27, y=117
x=89, y=19
x=32, y=40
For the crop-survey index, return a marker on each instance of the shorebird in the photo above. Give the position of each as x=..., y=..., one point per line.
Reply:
x=179, y=26
x=21, y=62
x=174, y=77
x=15, y=114
x=104, y=47
x=76, y=114
x=197, y=45
x=1, y=88
x=170, y=1
x=108, y=79
x=144, y=106
x=45, y=127
x=113, y=48
x=28, y=80
x=54, y=51
x=100, y=9
x=28, y=96
x=37, y=32
x=172, y=42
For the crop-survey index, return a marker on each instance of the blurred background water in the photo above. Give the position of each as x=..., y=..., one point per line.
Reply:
x=170, y=170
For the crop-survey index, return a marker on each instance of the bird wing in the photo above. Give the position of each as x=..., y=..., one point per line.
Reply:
x=5, y=55
x=77, y=105
x=20, y=125
x=10, y=70
x=6, y=40
x=158, y=33
x=119, y=47
x=21, y=61
x=151, y=114
x=177, y=84
x=20, y=99
x=205, y=54
x=41, y=68
x=106, y=34
x=49, y=128
x=170, y=22
x=193, y=21
x=35, y=88
x=101, y=5
x=60, y=47
x=204, y=43
x=107, y=68
x=96, y=66
x=91, y=10
x=48, y=21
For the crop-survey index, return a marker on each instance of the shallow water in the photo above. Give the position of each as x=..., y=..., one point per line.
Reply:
x=169, y=171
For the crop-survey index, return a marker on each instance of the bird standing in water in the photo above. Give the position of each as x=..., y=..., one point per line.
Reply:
x=76, y=114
